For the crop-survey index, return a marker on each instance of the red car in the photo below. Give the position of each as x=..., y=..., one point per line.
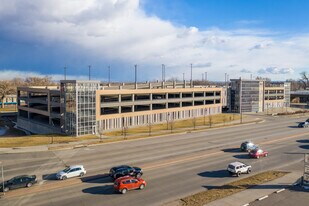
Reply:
x=257, y=153
x=123, y=184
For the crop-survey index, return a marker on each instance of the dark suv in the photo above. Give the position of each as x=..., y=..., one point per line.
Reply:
x=124, y=170
x=247, y=146
x=18, y=182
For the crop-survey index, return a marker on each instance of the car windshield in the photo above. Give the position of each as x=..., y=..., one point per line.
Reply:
x=11, y=180
x=66, y=169
x=232, y=166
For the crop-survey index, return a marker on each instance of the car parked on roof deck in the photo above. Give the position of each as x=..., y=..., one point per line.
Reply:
x=257, y=153
x=238, y=168
x=124, y=170
x=71, y=171
x=123, y=184
x=247, y=146
x=18, y=182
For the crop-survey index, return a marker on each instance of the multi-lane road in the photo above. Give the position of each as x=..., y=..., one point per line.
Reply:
x=174, y=166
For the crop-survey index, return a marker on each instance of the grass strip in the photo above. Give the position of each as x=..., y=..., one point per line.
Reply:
x=36, y=140
x=219, y=192
x=171, y=125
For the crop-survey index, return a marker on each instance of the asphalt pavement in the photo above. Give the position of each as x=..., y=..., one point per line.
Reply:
x=174, y=165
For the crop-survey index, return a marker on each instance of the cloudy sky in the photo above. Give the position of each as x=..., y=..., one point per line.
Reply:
x=268, y=38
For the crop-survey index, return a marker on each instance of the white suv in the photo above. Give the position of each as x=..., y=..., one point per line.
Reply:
x=238, y=168
x=71, y=171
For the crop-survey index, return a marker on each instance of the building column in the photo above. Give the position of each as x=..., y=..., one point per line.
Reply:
x=166, y=105
x=150, y=101
x=49, y=107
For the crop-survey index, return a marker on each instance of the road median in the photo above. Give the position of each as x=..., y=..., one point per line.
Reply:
x=218, y=192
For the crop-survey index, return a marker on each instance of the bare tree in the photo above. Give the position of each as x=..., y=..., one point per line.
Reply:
x=210, y=120
x=224, y=119
x=295, y=84
x=304, y=79
x=5, y=89
x=39, y=81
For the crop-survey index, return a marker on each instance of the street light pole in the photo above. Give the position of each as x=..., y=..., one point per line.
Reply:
x=135, y=67
x=89, y=70
x=109, y=74
x=240, y=100
x=191, y=76
x=2, y=176
x=65, y=73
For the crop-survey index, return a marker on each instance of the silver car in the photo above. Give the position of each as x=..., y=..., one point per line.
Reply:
x=71, y=171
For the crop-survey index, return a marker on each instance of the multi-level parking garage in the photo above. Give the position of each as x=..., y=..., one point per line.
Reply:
x=39, y=109
x=89, y=107
x=133, y=107
x=92, y=107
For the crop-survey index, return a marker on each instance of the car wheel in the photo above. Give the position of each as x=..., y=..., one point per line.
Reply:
x=81, y=174
x=238, y=174
x=64, y=178
x=142, y=186
x=6, y=189
x=248, y=171
x=124, y=191
x=29, y=184
x=138, y=175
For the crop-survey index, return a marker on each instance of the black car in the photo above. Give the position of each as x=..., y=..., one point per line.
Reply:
x=124, y=170
x=303, y=124
x=18, y=182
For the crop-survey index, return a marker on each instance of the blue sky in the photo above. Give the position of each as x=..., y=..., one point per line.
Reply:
x=268, y=38
x=278, y=15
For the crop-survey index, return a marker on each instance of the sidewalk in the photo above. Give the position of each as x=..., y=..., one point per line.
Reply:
x=247, y=196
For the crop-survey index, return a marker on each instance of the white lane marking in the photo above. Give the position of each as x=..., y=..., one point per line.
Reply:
x=262, y=198
x=278, y=191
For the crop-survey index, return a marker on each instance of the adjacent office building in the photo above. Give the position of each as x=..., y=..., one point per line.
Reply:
x=90, y=107
x=257, y=95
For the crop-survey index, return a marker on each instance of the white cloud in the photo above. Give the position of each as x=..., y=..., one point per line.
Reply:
x=245, y=71
x=11, y=74
x=120, y=31
x=275, y=70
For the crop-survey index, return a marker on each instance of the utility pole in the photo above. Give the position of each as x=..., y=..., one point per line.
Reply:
x=89, y=70
x=109, y=74
x=183, y=77
x=65, y=72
